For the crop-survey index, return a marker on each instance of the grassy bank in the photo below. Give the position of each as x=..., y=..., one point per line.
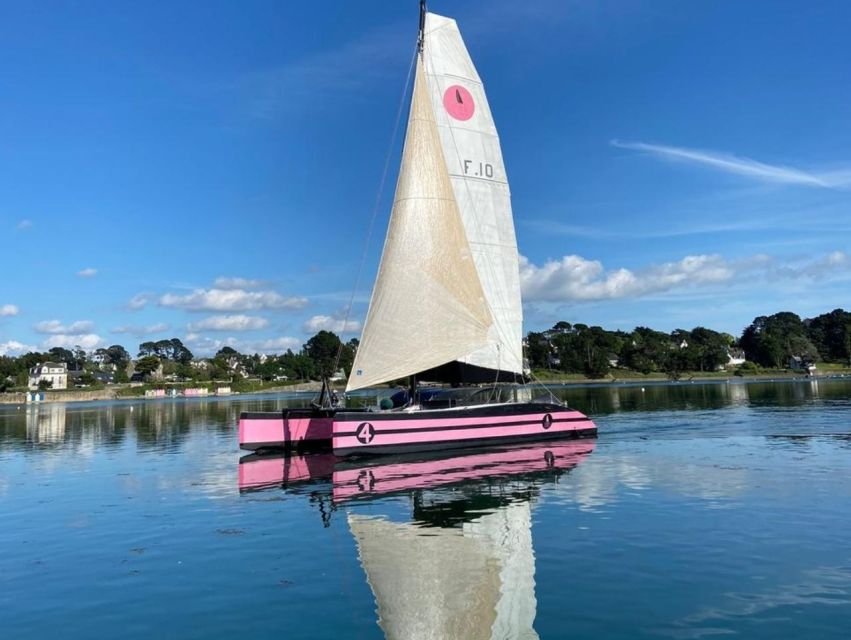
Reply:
x=239, y=386
x=758, y=373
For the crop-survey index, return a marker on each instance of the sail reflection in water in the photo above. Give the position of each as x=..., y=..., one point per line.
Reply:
x=464, y=567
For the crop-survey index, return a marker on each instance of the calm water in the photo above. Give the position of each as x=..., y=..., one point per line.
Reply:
x=701, y=510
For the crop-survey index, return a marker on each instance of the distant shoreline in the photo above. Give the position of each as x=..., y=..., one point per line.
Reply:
x=101, y=395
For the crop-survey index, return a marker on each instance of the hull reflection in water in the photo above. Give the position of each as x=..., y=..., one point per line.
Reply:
x=356, y=479
x=464, y=566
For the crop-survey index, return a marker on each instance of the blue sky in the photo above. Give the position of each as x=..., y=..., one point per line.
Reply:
x=207, y=170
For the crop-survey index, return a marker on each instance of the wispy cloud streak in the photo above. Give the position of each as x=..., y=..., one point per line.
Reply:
x=746, y=167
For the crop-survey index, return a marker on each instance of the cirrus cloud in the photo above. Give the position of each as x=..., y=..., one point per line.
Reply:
x=230, y=300
x=88, y=272
x=728, y=163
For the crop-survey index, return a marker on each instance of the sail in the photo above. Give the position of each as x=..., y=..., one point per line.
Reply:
x=472, y=582
x=474, y=160
x=427, y=306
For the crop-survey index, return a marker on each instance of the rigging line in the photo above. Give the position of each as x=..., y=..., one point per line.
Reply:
x=493, y=394
x=540, y=383
x=377, y=205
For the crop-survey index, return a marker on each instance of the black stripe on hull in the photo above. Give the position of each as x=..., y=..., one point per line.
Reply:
x=483, y=411
x=299, y=446
x=369, y=450
x=352, y=415
x=460, y=427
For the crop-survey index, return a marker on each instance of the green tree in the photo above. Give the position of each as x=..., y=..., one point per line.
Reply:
x=708, y=349
x=115, y=355
x=147, y=365
x=538, y=350
x=771, y=340
x=172, y=349
x=60, y=354
x=322, y=349
x=829, y=333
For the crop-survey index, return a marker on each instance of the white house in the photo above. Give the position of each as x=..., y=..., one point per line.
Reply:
x=735, y=357
x=54, y=372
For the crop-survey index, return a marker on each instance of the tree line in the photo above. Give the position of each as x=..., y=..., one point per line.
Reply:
x=173, y=360
x=769, y=341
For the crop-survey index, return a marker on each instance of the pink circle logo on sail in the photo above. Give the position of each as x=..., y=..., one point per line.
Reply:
x=458, y=102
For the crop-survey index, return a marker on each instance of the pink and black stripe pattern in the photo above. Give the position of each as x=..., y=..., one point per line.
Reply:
x=355, y=433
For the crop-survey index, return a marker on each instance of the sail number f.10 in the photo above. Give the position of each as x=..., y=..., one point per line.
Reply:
x=478, y=169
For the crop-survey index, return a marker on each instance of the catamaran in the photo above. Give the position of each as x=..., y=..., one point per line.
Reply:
x=446, y=303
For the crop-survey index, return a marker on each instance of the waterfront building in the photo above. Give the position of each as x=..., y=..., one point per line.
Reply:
x=54, y=372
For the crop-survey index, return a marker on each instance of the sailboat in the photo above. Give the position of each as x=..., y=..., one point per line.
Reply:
x=446, y=303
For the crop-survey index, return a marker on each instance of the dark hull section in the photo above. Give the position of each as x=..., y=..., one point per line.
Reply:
x=461, y=373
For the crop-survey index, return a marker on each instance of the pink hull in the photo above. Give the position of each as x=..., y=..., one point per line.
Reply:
x=365, y=432
x=273, y=430
x=423, y=430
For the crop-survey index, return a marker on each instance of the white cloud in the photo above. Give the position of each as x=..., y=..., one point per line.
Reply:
x=56, y=327
x=576, y=279
x=88, y=272
x=237, y=283
x=139, y=301
x=331, y=323
x=23, y=225
x=229, y=323
x=87, y=341
x=15, y=348
x=9, y=310
x=135, y=330
x=205, y=346
x=276, y=345
x=230, y=300
x=729, y=163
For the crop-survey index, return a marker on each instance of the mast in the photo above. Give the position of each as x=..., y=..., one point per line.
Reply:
x=421, y=36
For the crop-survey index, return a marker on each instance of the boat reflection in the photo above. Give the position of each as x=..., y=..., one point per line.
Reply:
x=358, y=479
x=463, y=565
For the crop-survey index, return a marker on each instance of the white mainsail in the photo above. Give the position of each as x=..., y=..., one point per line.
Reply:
x=473, y=582
x=427, y=306
x=474, y=161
